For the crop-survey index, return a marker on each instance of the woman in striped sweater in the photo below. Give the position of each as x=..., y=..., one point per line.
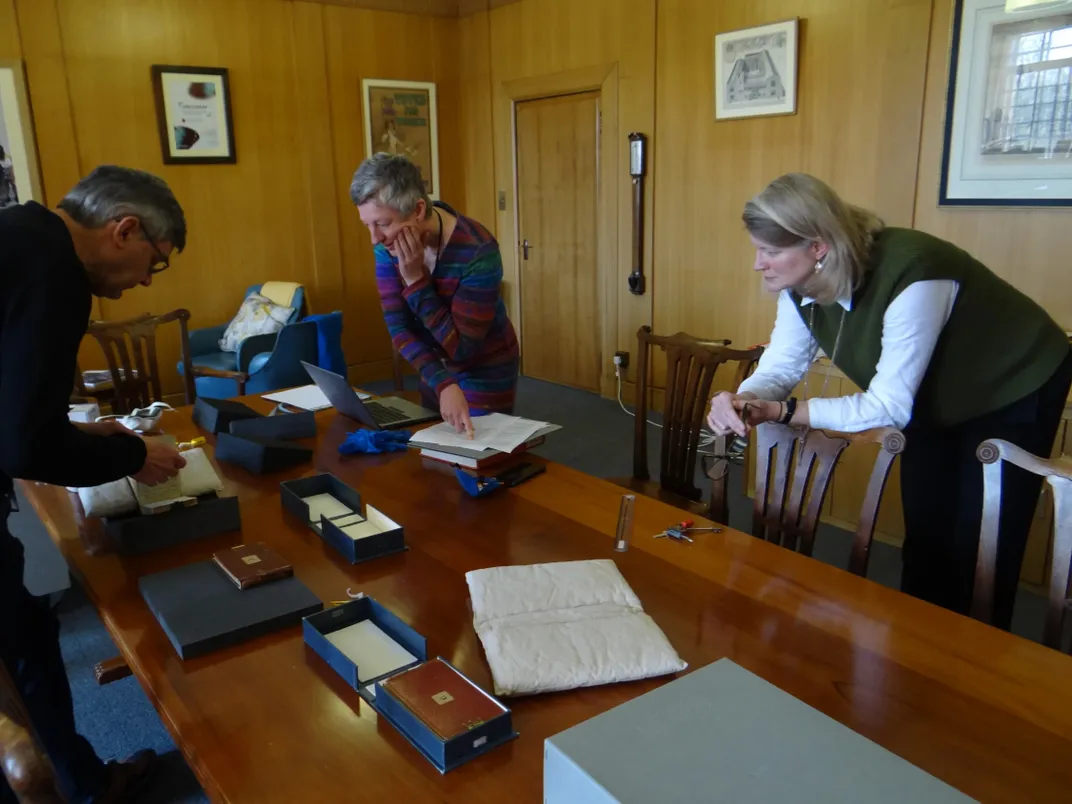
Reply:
x=439, y=276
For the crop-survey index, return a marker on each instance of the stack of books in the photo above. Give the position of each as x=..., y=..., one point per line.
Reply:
x=497, y=438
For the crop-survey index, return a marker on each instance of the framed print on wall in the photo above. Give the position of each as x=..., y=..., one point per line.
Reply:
x=756, y=71
x=400, y=119
x=1008, y=126
x=20, y=178
x=193, y=114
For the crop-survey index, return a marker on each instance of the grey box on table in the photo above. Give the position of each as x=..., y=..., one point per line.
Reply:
x=722, y=734
x=201, y=610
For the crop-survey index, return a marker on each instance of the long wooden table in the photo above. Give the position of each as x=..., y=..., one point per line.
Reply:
x=268, y=721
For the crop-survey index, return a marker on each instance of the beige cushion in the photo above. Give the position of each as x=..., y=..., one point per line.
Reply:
x=281, y=293
x=258, y=315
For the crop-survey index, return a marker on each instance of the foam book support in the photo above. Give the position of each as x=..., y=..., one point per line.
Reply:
x=385, y=649
x=260, y=455
x=216, y=415
x=334, y=512
x=281, y=427
x=201, y=610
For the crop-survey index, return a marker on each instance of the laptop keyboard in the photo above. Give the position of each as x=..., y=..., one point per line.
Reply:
x=383, y=415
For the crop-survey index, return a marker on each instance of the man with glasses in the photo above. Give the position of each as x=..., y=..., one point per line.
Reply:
x=113, y=231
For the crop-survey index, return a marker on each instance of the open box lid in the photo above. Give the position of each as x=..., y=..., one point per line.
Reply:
x=386, y=647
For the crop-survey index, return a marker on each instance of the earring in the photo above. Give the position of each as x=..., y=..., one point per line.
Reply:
x=818, y=266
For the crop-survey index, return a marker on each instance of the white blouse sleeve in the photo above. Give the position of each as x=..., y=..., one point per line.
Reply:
x=910, y=330
x=789, y=354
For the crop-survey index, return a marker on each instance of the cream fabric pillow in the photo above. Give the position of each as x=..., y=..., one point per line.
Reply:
x=258, y=315
x=560, y=626
x=117, y=498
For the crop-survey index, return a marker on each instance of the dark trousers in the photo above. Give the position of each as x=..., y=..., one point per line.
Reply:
x=942, y=492
x=30, y=650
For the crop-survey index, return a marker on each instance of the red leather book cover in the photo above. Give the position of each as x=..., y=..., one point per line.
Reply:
x=252, y=564
x=443, y=699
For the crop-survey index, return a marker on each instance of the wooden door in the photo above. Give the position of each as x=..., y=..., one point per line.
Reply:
x=557, y=181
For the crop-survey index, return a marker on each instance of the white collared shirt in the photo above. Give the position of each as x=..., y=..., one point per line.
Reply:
x=910, y=329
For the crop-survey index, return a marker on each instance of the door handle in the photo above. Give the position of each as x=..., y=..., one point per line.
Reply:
x=525, y=246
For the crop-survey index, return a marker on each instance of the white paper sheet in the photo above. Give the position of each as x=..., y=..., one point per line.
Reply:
x=325, y=505
x=494, y=431
x=370, y=649
x=306, y=397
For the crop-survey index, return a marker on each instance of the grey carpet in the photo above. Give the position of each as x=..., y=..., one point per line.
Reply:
x=597, y=438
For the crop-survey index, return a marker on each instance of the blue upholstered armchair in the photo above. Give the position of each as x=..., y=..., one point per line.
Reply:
x=262, y=363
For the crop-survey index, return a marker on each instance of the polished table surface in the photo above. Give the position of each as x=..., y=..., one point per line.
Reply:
x=988, y=712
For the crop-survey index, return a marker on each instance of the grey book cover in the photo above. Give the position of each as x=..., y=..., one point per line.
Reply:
x=201, y=610
x=723, y=734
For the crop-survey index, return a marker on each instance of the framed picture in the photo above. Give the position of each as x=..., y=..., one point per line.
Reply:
x=20, y=179
x=756, y=71
x=400, y=118
x=1008, y=120
x=193, y=114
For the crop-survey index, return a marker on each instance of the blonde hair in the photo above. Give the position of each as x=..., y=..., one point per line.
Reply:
x=797, y=209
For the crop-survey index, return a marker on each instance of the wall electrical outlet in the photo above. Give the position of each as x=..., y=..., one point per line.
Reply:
x=621, y=359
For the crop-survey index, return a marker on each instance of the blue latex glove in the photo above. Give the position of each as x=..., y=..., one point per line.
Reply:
x=373, y=442
x=479, y=486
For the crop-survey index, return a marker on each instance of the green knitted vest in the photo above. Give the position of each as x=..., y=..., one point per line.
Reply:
x=997, y=347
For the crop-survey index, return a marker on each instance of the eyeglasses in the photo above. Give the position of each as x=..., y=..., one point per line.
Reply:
x=161, y=263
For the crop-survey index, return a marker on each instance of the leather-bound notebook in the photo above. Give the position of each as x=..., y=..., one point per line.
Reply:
x=443, y=699
x=252, y=564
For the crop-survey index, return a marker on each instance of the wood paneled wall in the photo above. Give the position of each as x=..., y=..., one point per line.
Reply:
x=538, y=38
x=871, y=111
x=283, y=211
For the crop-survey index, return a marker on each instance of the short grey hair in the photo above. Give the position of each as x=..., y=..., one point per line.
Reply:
x=796, y=210
x=112, y=192
x=390, y=180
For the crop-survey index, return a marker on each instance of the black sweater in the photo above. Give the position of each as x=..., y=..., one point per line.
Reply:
x=45, y=302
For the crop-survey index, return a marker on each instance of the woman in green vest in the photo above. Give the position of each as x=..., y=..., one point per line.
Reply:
x=945, y=349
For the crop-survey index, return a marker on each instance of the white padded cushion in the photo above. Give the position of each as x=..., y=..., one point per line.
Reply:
x=565, y=625
x=117, y=498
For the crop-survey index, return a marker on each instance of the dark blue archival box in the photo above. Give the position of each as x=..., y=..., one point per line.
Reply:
x=201, y=610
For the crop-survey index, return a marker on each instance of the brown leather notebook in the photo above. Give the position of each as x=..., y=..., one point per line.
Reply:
x=252, y=564
x=443, y=699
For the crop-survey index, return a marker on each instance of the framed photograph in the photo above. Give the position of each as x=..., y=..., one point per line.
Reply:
x=400, y=118
x=756, y=71
x=20, y=178
x=1008, y=119
x=193, y=114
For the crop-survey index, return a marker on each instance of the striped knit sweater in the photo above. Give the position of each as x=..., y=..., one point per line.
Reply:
x=452, y=326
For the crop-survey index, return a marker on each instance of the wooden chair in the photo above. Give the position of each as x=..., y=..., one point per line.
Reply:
x=130, y=349
x=1058, y=474
x=794, y=467
x=691, y=366
x=717, y=465
x=23, y=762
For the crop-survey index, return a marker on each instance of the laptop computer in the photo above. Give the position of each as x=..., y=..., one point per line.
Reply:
x=379, y=414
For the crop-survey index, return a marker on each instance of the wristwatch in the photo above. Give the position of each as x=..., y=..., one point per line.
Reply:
x=790, y=409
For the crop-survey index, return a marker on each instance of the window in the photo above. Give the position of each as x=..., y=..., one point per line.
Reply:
x=1029, y=88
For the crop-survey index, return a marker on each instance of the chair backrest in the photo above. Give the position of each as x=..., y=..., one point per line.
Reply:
x=130, y=349
x=716, y=465
x=1058, y=474
x=23, y=762
x=794, y=467
x=690, y=369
